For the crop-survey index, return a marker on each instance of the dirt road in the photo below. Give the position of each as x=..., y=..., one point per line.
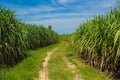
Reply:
x=43, y=74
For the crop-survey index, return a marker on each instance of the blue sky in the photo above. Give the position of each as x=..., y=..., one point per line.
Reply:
x=63, y=15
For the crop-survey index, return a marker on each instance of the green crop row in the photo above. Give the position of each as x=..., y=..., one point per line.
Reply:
x=98, y=41
x=16, y=37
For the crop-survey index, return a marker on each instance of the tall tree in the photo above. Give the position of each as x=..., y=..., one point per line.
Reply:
x=50, y=27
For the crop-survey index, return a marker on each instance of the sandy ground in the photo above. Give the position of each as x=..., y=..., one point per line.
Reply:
x=73, y=68
x=43, y=74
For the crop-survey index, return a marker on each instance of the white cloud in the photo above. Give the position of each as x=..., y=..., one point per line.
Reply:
x=66, y=21
x=64, y=25
x=41, y=8
x=63, y=1
x=107, y=4
x=34, y=10
x=102, y=4
x=56, y=15
x=61, y=21
x=66, y=1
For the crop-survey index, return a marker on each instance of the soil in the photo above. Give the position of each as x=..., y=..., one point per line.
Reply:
x=43, y=74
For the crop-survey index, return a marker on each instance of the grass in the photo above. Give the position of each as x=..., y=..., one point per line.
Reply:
x=58, y=69
x=98, y=41
x=87, y=72
x=28, y=69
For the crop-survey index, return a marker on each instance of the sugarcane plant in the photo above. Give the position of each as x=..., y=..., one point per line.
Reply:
x=17, y=36
x=98, y=41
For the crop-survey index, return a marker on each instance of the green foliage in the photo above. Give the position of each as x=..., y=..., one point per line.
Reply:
x=86, y=72
x=29, y=68
x=38, y=36
x=65, y=37
x=98, y=41
x=11, y=44
x=58, y=69
x=16, y=36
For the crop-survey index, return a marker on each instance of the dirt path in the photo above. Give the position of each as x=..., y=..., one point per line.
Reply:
x=43, y=74
x=73, y=68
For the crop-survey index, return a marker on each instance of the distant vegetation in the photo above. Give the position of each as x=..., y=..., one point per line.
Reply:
x=65, y=37
x=16, y=36
x=98, y=41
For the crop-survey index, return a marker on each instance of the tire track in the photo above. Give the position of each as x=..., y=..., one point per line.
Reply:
x=43, y=74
